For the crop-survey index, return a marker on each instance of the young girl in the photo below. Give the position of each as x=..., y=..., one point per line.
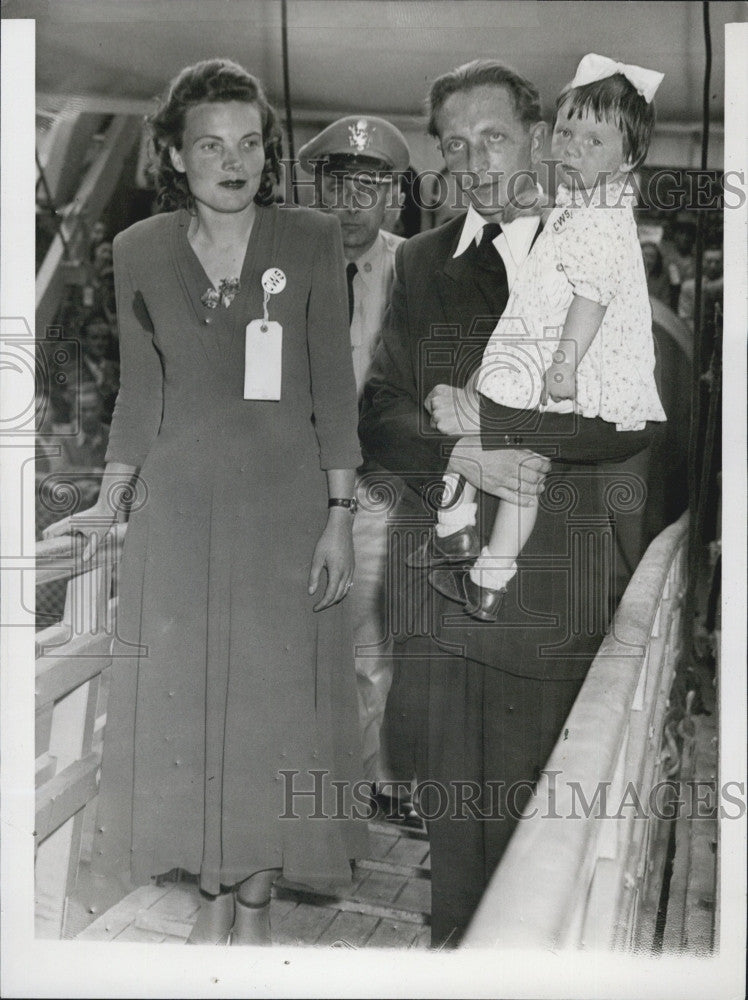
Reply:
x=576, y=335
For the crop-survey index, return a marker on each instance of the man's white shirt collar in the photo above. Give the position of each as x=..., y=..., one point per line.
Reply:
x=513, y=242
x=471, y=227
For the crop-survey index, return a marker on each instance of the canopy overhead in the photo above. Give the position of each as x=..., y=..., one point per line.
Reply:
x=348, y=55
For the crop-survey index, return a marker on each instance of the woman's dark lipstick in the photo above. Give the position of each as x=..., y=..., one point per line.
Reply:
x=234, y=185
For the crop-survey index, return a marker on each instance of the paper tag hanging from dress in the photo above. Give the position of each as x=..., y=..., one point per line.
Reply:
x=263, y=346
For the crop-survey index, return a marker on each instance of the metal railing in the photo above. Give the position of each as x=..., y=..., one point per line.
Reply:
x=578, y=871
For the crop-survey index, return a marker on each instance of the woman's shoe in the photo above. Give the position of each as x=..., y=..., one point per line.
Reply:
x=394, y=808
x=252, y=923
x=214, y=921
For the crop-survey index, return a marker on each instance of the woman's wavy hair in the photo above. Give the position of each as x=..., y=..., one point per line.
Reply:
x=213, y=81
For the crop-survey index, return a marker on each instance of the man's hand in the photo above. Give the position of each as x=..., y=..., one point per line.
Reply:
x=512, y=474
x=453, y=411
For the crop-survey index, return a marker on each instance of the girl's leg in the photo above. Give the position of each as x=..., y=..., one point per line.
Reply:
x=457, y=508
x=214, y=919
x=454, y=537
x=252, y=923
x=496, y=565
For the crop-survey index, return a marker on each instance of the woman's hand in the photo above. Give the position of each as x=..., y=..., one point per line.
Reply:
x=453, y=411
x=334, y=552
x=94, y=524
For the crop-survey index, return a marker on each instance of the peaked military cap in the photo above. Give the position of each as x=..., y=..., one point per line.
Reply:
x=357, y=142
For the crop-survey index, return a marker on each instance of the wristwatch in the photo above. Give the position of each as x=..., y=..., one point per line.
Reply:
x=350, y=503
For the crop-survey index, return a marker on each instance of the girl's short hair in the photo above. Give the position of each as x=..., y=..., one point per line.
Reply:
x=616, y=100
x=213, y=81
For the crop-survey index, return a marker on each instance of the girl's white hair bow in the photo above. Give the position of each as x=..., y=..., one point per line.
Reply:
x=593, y=68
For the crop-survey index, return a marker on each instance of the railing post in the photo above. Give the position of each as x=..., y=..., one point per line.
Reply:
x=57, y=857
x=66, y=720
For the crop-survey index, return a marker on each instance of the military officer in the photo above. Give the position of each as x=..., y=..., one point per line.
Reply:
x=356, y=162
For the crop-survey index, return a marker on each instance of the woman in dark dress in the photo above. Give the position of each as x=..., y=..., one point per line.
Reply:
x=227, y=689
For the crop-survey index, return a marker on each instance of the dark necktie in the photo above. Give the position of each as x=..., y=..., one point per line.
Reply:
x=351, y=271
x=486, y=253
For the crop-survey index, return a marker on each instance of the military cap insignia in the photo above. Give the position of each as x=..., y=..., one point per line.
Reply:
x=359, y=136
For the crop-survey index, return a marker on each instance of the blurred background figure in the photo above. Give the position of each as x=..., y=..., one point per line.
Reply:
x=679, y=257
x=101, y=292
x=712, y=285
x=48, y=429
x=98, y=364
x=69, y=456
x=85, y=449
x=658, y=284
x=97, y=236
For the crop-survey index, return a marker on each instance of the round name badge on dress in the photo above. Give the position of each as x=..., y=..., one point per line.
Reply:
x=273, y=280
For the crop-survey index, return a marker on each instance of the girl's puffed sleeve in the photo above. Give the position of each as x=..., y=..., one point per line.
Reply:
x=593, y=252
x=331, y=365
x=137, y=413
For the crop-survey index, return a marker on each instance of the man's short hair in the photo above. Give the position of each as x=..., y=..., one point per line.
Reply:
x=484, y=73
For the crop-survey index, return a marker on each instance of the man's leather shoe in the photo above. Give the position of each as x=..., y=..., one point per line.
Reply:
x=394, y=809
x=461, y=546
x=479, y=602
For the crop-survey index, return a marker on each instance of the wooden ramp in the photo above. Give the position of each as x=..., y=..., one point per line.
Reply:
x=387, y=906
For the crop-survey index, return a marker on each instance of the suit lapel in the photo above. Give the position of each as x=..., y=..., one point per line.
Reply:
x=462, y=282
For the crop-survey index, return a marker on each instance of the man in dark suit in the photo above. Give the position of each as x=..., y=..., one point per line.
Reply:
x=475, y=708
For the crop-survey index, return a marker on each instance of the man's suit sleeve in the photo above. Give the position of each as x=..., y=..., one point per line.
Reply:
x=392, y=414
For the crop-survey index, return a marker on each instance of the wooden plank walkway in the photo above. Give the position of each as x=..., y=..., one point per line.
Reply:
x=387, y=906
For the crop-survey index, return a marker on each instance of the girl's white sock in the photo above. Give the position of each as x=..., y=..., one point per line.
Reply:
x=452, y=519
x=492, y=572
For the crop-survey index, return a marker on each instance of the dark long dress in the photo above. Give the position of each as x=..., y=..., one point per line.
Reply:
x=222, y=676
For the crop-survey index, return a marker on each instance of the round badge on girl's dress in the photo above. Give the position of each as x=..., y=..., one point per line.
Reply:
x=273, y=280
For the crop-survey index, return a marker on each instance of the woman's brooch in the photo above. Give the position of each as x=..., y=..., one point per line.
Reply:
x=224, y=295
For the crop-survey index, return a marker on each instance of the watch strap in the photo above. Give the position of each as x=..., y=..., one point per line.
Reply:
x=350, y=503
